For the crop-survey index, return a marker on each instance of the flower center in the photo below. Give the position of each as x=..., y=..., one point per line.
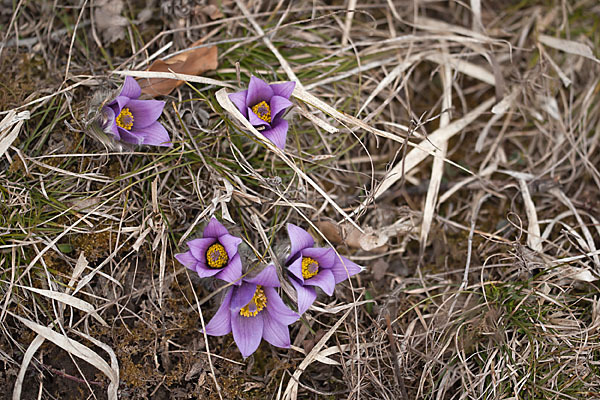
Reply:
x=310, y=267
x=263, y=111
x=216, y=256
x=125, y=119
x=258, y=302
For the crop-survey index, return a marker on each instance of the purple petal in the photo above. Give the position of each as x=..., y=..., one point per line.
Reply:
x=278, y=133
x=324, y=279
x=154, y=135
x=204, y=272
x=242, y=296
x=230, y=243
x=306, y=296
x=299, y=239
x=187, y=259
x=267, y=277
x=279, y=105
x=220, y=324
x=255, y=121
x=324, y=256
x=130, y=137
x=214, y=229
x=111, y=121
x=145, y=112
x=119, y=103
x=296, y=269
x=131, y=88
x=232, y=272
x=275, y=332
x=277, y=309
x=239, y=99
x=340, y=266
x=258, y=90
x=247, y=332
x=284, y=89
x=198, y=247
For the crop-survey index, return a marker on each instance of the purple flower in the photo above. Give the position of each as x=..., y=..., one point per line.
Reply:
x=253, y=311
x=135, y=121
x=215, y=254
x=313, y=266
x=264, y=105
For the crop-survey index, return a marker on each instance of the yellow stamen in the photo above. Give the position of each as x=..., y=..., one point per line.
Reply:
x=257, y=304
x=125, y=119
x=216, y=256
x=263, y=111
x=310, y=267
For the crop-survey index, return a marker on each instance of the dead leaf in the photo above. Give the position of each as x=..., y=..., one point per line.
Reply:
x=212, y=11
x=331, y=231
x=191, y=62
x=379, y=269
x=109, y=20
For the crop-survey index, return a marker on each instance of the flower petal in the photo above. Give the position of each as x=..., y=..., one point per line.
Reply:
x=277, y=309
x=187, y=259
x=215, y=229
x=242, y=296
x=198, y=247
x=278, y=133
x=154, y=135
x=279, y=105
x=130, y=137
x=299, y=240
x=247, y=332
x=204, y=271
x=284, y=89
x=118, y=104
x=239, y=99
x=111, y=121
x=220, y=324
x=230, y=243
x=145, y=112
x=232, y=272
x=324, y=256
x=267, y=277
x=276, y=333
x=324, y=279
x=258, y=90
x=131, y=88
x=340, y=266
x=306, y=296
x=255, y=121
x=295, y=269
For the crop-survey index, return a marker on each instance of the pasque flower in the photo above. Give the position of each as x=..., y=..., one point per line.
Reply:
x=310, y=266
x=253, y=311
x=135, y=121
x=215, y=254
x=264, y=105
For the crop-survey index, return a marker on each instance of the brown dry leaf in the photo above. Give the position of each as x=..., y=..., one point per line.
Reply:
x=191, y=62
x=109, y=20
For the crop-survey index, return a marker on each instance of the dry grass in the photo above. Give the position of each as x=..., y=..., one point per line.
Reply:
x=454, y=144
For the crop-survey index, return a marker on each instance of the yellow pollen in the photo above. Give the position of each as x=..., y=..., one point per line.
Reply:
x=258, y=302
x=263, y=111
x=310, y=267
x=216, y=256
x=125, y=119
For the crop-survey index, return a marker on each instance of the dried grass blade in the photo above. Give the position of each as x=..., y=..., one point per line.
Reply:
x=7, y=135
x=31, y=350
x=534, y=236
x=437, y=170
x=291, y=391
x=74, y=348
x=69, y=300
x=568, y=46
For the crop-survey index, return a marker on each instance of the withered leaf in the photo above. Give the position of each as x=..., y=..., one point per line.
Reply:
x=191, y=62
x=109, y=20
